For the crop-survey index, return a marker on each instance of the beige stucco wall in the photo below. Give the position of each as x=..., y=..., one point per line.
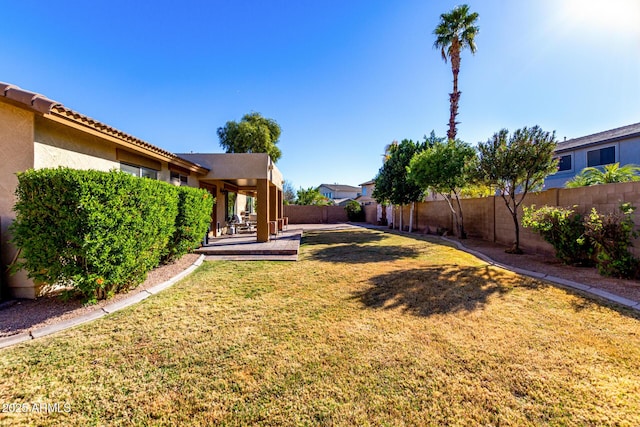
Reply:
x=56, y=145
x=16, y=151
x=237, y=166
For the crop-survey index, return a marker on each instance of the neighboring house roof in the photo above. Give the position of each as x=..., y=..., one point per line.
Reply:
x=612, y=135
x=341, y=188
x=342, y=202
x=58, y=112
x=368, y=183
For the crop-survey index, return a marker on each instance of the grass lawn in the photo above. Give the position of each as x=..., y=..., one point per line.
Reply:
x=366, y=329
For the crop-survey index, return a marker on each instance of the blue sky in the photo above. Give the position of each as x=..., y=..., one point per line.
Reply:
x=342, y=78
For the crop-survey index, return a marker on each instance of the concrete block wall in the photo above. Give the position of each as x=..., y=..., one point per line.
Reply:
x=371, y=213
x=299, y=214
x=489, y=219
x=435, y=214
x=479, y=217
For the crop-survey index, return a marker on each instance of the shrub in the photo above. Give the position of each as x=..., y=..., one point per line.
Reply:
x=97, y=232
x=612, y=235
x=564, y=230
x=355, y=212
x=192, y=221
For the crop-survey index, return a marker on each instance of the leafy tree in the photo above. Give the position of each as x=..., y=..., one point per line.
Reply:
x=432, y=139
x=609, y=174
x=355, y=212
x=446, y=169
x=455, y=32
x=288, y=193
x=253, y=134
x=475, y=190
x=312, y=196
x=392, y=184
x=515, y=165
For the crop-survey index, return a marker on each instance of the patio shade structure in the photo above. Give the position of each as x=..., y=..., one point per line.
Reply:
x=244, y=173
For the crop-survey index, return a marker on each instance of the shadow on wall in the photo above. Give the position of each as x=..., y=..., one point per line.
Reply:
x=439, y=290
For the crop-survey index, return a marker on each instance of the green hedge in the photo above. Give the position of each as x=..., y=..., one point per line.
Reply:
x=98, y=232
x=192, y=221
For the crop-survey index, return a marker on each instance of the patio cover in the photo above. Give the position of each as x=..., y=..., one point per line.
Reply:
x=246, y=173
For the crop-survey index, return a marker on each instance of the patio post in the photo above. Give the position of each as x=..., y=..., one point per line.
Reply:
x=262, y=211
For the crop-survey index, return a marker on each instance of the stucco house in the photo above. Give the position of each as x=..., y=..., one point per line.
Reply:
x=366, y=193
x=340, y=194
x=37, y=132
x=616, y=145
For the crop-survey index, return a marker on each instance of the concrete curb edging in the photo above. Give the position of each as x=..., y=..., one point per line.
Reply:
x=100, y=312
x=635, y=305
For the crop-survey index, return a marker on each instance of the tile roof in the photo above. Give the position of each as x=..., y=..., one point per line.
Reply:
x=44, y=105
x=341, y=188
x=600, y=137
x=31, y=100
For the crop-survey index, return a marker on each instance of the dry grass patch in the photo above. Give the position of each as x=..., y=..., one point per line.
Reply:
x=366, y=329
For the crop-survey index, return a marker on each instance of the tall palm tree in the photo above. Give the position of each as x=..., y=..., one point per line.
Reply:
x=456, y=32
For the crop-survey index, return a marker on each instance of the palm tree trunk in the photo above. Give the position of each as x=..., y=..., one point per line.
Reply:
x=454, y=97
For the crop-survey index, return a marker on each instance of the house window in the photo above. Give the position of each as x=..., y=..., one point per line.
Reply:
x=178, y=179
x=139, y=171
x=564, y=163
x=364, y=191
x=603, y=156
x=328, y=195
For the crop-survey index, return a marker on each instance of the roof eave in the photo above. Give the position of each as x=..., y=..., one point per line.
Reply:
x=577, y=145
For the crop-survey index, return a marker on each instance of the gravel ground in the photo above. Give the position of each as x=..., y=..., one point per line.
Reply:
x=19, y=316
x=548, y=264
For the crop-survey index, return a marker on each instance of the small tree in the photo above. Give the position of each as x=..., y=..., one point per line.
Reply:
x=288, y=193
x=445, y=168
x=311, y=196
x=392, y=183
x=355, y=212
x=515, y=165
x=253, y=134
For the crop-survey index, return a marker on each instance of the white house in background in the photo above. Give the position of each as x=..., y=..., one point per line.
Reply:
x=340, y=194
x=612, y=146
x=366, y=193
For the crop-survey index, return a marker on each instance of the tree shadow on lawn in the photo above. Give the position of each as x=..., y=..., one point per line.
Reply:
x=355, y=253
x=312, y=238
x=439, y=289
